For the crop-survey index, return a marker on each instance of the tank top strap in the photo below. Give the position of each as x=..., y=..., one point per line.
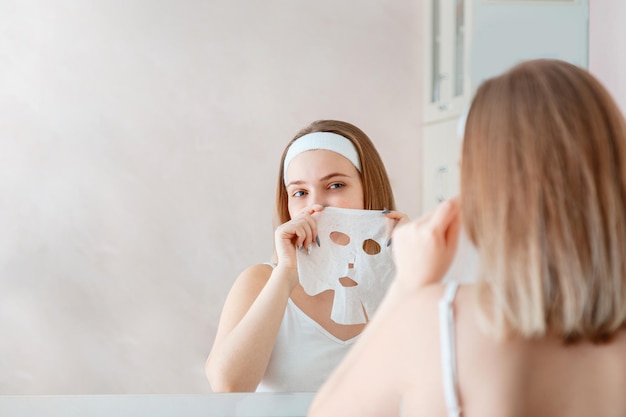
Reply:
x=448, y=350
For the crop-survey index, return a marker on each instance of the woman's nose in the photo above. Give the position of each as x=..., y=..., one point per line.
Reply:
x=318, y=198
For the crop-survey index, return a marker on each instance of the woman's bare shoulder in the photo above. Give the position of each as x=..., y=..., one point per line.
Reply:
x=243, y=292
x=418, y=321
x=429, y=297
x=253, y=277
x=417, y=334
x=414, y=322
x=257, y=271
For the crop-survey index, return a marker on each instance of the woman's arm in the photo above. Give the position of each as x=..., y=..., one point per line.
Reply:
x=248, y=327
x=254, y=310
x=372, y=378
x=423, y=250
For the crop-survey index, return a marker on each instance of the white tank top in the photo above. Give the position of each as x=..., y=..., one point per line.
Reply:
x=448, y=349
x=304, y=354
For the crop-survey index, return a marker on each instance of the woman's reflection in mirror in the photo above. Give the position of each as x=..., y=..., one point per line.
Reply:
x=272, y=335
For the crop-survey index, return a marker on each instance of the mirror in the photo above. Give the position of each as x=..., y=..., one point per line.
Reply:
x=141, y=143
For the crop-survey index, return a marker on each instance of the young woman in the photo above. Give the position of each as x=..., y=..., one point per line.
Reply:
x=272, y=335
x=542, y=332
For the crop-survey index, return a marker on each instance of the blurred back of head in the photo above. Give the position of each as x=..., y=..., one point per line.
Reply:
x=543, y=189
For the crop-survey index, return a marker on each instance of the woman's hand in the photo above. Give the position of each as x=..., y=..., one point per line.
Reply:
x=423, y=249
x=300, y=231
x=396, y=219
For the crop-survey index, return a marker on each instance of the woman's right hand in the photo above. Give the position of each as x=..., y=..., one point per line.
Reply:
x=300, y=231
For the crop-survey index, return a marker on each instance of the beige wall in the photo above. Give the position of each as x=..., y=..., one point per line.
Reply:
x=607, y=43
x=140, y=142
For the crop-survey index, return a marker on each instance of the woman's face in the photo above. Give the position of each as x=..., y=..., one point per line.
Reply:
x=323, y=177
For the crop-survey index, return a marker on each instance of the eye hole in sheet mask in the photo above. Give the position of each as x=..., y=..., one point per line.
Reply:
x=371, y=247
x=339, y=238
x=342, y=239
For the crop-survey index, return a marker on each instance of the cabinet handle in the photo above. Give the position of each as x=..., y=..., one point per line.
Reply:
x=440, y=184
x=438, y=81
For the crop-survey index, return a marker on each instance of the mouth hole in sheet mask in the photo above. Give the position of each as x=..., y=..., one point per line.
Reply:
x=339, y=238
x=347, y=282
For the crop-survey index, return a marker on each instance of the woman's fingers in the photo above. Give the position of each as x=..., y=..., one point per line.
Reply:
x=301, y=231
x=396, y=218
x=424, y=248
x=297, y=232
x=453, y=219
x=445, y=215
x=315, y=208
x=305, y=232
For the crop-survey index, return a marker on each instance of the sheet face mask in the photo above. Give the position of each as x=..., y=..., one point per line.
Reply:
x=341, y=263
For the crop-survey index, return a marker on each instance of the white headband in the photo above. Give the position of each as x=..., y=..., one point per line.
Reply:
x=322, y=140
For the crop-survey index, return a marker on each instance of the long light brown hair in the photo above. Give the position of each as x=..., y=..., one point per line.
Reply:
x=377, y=192
x=543, y=191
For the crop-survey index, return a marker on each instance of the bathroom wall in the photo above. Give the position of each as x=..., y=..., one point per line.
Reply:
x=607, y=43
x=140, y=142
x=139, y=150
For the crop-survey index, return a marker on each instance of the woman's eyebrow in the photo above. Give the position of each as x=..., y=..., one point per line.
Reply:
x=334, y=174
x=296, y=182
x=324, y=178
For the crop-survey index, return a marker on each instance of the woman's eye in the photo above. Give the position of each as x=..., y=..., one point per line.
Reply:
x=336, y=185
x=298, y=194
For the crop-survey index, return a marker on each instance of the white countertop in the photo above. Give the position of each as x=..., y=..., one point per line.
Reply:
x=202, y=405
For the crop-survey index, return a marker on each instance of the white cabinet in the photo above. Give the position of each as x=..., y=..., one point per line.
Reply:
x=447, y=95
x=502, y=34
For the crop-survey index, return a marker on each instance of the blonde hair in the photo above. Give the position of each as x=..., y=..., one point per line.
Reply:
x=543, y=190
x=377, y=193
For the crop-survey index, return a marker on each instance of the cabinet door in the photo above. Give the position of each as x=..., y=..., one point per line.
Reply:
x=446, y=27
x=442, y=154
x=447, y=94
